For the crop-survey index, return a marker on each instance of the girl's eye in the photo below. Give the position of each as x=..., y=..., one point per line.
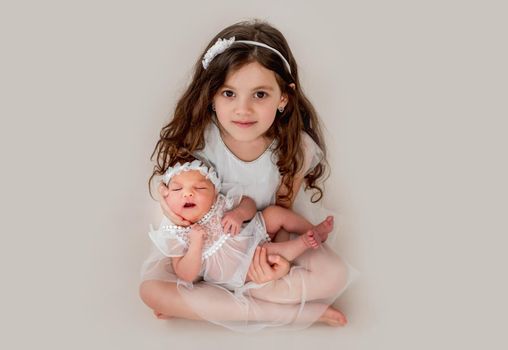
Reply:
x=260, y=94
x=228, y=93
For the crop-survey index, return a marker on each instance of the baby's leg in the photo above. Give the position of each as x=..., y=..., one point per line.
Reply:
x=277, y=218
x=290, y=250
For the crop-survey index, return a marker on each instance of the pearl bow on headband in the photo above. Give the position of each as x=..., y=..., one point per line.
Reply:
x=222, y=45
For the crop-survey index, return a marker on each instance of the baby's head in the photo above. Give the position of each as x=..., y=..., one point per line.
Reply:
x=193, y=187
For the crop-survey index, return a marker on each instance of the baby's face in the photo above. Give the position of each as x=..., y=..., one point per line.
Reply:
x=191, y=195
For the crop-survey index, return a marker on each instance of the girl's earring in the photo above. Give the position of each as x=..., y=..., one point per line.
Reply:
x=281, y=109
x=213, y=107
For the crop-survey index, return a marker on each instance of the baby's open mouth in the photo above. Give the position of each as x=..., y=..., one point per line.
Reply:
x=189, y=205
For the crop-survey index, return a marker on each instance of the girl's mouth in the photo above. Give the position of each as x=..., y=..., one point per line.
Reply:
x=243, y=124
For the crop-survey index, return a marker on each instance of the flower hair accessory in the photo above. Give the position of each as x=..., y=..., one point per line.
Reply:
x=219, y=47
x=222, y=45
x=207, y=172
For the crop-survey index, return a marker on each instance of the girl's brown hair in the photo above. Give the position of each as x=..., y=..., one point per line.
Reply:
x=185, y=132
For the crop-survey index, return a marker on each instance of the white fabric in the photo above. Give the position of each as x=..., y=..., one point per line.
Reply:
x=225, y=258
x=297, y=300
x=258, y=179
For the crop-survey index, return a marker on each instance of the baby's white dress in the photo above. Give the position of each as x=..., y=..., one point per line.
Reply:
x=225, y=258
x=295, y=301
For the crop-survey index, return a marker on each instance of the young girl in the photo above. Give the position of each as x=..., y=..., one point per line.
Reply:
x=216, y=246
x=245, y=113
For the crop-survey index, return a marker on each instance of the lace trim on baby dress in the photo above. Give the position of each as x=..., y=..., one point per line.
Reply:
x=211, y=223
x=182, y=231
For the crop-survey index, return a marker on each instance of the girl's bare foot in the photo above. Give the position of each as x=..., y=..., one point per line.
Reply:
x=324, y=228
x=311, y=239
x=160, y=315
x=333, y=317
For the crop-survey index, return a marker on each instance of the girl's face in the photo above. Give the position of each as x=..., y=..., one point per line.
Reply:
x=247, y=102
x=191, y=195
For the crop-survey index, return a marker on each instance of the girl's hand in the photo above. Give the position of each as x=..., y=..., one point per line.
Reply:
x=197, y=234
x=265, y=269
x=232, y=222
x=175, y=218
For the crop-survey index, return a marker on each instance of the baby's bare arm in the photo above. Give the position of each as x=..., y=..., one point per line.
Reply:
x=246, y=209
x=188, y=266
x=233, y=219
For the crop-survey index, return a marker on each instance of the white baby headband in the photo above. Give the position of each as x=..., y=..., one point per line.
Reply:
x=207, y=172
x=222, y=44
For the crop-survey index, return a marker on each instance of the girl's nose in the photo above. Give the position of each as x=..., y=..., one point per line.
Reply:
x=243, y=106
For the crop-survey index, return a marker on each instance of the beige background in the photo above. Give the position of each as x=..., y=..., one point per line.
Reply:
x=413, y=95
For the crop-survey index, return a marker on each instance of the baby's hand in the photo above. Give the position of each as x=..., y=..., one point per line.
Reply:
x=231, y=222
x=197, y=234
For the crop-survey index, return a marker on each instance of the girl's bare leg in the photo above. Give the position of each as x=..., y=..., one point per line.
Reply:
x=333, y=317
x=166, y=301
x=317, y=280
x=319, y=275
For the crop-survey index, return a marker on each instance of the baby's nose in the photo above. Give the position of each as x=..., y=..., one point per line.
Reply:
x=188, y=194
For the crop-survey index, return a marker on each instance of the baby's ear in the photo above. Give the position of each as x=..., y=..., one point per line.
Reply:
x=163, y=189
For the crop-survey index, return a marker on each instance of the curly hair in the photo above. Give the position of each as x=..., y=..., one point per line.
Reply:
x=184, y=134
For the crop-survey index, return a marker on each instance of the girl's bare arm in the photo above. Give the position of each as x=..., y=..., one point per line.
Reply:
x=297, y=183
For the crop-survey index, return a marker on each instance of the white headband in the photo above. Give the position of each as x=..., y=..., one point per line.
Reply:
x=207, y=172
x=222, y=44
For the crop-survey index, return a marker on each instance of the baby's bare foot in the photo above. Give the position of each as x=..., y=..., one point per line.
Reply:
x=324, y=228
x=160, y=315
x=333, y=317
x=311, y=239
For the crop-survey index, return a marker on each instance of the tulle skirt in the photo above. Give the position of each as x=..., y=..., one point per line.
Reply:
x=295, y=301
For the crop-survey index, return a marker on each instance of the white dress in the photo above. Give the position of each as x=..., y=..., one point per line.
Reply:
x=225, y=258
x=295, y=301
